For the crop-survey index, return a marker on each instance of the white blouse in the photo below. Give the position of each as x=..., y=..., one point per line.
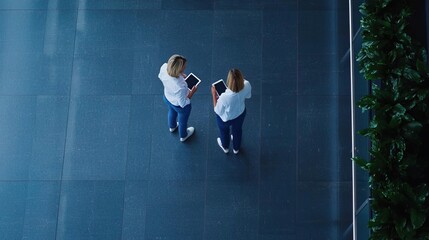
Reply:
x=175, y=89
x=231, y=104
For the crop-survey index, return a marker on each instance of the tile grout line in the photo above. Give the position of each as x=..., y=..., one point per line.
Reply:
x=208, y=135
x=260, y=125
x=296, y=113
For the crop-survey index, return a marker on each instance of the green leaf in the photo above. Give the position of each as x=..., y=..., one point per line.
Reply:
x=395, y=121
x=423, y=94
x=361, y=162
x=421, y=67
x=383, y=23
x=400, y=227
x=414, y=126
x=399, y=109
x=412, y=75
x=417, y=218
x=367, y=102
x=423, y=193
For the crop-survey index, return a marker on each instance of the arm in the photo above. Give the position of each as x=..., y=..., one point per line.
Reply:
x=214, y=96
x=191, y=93
x=248, y=89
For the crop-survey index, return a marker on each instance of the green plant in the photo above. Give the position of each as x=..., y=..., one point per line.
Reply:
x=398, y=131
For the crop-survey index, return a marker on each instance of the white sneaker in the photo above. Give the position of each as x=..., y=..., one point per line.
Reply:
x=174, y=129
x=190, y=131
x=219, y=142
x=235, y=151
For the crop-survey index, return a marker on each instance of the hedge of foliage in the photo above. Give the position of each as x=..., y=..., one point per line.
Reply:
x=399, y=161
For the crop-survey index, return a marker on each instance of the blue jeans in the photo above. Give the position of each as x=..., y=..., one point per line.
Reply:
x=177, y=112
x=236, y=129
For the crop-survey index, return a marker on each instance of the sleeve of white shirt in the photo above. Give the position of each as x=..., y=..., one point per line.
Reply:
x=183, y=99
x=248, y=89
x=219, y=109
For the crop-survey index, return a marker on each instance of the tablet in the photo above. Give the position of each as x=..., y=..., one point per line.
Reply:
x=192, y=80
x=220, y=86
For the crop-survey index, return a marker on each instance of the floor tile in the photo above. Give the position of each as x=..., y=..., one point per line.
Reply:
x=29, y=209
x=277, y=209
x=119, y=5
x=327, y=230
x=97, y=135
x=231, y=210
x=255, y=5
x=321, y=155
x=187, y=5
x=38, y=4
x=277, y=236
x=135, y=208
x=49, y=138
x=242, y=23
x=17, y=119
x=312, y=28
x=322, y=5
x=280, y=22
x=175, y=210
x=279, y=118
x=33, y=137
x=37, y=61
x=140, y=137
x=124, y=50
x=91, y=210
x=334, y=200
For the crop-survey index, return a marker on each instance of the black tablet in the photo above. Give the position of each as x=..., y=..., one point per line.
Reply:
x=192, y=80
x=220, y=86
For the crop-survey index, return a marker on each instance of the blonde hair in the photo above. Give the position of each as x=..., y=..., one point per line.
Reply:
x=235, y=80
x=175, y=65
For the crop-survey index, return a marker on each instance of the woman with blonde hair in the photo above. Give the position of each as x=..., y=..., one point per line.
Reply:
x=177, y=96
x=230, y=110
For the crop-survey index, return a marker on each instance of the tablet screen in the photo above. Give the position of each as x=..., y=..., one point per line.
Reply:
x=220, y=87
x=192, y=80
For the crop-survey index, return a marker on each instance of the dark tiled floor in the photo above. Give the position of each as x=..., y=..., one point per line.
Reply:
x=85, y=152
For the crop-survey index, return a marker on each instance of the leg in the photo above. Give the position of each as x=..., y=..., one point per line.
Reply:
x=183, y=120
x=224, y=131
x=172, y=114
x=237, y=125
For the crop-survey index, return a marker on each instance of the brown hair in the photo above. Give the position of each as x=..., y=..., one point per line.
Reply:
x=235, y=80
x=175, y=65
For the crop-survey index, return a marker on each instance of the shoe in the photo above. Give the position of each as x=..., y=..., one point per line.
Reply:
x=235, y=151
x=174, y=129
x=190, y=131
x=219, y=142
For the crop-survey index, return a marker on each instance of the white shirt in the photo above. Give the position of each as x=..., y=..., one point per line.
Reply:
x=175, y=89
x=230, y=104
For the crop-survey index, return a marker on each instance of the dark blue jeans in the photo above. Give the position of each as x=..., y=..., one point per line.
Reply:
x=236, y=129
x=178, y=114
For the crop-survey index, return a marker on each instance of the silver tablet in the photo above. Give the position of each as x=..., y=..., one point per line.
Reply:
x=220, y=86
x=192, y=80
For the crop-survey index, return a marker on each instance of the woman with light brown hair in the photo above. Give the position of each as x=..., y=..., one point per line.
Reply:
x=177, y=96
x=230, y=110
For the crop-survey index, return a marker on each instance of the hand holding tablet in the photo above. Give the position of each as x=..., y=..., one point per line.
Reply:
x=220, y=86
x=192, y=80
